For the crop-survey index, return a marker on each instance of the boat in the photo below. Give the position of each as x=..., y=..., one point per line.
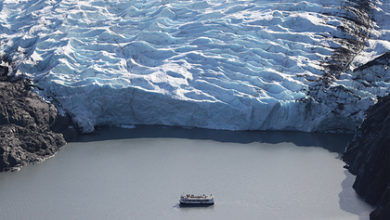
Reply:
x=190, y=200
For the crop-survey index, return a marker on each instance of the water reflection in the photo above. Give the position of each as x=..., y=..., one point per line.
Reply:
x=347, y=198
x=331, y=142
x=140, y=173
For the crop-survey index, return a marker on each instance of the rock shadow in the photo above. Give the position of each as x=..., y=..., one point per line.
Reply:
x=331, y=142
x=348, y=201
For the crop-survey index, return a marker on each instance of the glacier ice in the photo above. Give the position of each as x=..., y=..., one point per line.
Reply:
x=238, y=65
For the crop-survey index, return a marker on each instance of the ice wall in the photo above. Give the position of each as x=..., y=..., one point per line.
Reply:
x=209, y=63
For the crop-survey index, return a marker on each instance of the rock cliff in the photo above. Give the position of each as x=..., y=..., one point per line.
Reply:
x=29, y=127
x=368, y=157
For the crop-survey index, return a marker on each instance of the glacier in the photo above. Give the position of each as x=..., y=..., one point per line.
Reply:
x=220, y=64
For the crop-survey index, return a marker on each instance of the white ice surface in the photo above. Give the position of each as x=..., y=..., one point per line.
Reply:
x=207, y=63
x=379, y=42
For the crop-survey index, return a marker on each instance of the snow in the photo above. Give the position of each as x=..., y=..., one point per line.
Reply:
x=218, y=64
x=379, y=42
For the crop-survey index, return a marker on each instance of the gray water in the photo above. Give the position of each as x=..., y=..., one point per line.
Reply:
x=140, y=174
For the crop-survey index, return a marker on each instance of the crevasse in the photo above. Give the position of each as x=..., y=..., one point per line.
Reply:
x=237, y=65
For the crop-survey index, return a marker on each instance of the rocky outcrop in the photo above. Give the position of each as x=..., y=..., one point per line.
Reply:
x=29, y=127
x=382, y=212
x=368, y=157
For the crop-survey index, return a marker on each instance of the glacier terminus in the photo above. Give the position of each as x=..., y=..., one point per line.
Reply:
x=221, y=64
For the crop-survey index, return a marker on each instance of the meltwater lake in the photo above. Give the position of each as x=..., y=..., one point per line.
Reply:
x=140, y=173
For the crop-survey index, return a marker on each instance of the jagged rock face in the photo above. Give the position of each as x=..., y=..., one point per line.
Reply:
x=28, y=125
x=368, y=157
x=383, y=210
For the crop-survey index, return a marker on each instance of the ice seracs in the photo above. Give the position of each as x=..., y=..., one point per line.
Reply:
x=237, y=65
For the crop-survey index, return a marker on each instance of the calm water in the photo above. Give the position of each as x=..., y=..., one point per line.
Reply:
x=140, y=174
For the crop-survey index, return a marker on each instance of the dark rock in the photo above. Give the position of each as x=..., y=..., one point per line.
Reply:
x=70, y=133
x=382, y=212
x=64, y=125
x=381, y=60
x=368, y=157
x=3, y=72
x=30, y=128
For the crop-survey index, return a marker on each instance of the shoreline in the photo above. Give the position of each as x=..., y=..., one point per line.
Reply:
x=31, y=129
x=59, y=129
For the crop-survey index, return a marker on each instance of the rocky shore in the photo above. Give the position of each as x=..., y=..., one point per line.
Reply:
x=31, y=130
x=368, y=157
